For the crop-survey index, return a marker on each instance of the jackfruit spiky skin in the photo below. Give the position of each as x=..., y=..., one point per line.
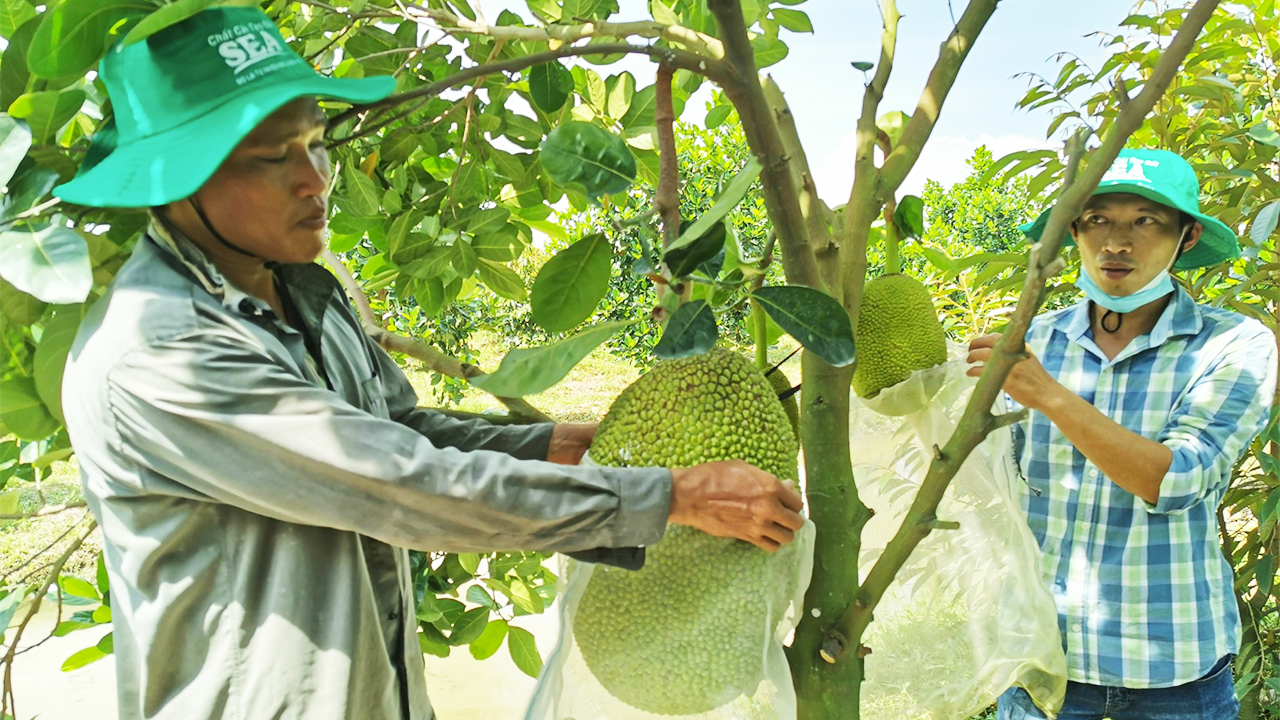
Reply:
x=898, y=333
x=685, y=634
x=782, y=384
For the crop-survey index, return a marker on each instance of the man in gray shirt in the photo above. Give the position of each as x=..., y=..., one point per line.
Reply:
x=257, y=464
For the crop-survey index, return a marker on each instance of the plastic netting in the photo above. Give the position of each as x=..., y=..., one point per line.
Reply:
x=718, y=654
x=968, y=616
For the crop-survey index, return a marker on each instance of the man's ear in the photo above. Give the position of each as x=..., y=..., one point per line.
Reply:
x=1193, y=237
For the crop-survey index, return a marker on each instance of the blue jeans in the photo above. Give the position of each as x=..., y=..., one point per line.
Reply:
x=1212, y=697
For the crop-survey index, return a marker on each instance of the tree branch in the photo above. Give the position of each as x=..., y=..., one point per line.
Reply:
x=6, y=708
x=567, y=34
x=860, y=212
x=742, y=84
x=666, y=200
x=977, y=421
x=941, y=78
x=46, y=510
x=428, y=355
x=710, y=68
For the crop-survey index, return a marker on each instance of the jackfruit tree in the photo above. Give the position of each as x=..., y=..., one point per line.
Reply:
x=440, y=189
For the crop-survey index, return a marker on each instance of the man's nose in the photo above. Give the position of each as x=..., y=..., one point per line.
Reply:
x=312, y=177
x=1117, y=240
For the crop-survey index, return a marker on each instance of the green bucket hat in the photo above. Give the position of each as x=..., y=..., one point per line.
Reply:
x=1166, y=178
x=186, y=96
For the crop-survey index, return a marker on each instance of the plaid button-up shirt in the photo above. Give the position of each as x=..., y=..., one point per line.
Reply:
x=1144, y=595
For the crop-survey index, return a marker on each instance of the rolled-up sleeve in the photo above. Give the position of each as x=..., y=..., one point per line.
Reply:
x=223, y=418
x=1215, y=421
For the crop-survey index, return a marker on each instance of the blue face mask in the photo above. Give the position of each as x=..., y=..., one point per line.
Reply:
x=1160, y=285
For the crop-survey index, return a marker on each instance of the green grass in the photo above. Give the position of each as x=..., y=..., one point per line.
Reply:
x=21, y=539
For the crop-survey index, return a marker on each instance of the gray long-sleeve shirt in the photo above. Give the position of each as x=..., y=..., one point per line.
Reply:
x=256, y=500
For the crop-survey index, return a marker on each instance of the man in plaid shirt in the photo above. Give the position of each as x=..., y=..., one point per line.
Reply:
x=1142, y=400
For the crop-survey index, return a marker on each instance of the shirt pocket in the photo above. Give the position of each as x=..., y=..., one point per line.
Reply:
x=372, y=398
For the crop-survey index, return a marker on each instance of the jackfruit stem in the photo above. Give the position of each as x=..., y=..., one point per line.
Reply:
x=892, y=241
x=760, y=333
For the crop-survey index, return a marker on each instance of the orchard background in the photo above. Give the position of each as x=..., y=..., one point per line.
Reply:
x=461, y=208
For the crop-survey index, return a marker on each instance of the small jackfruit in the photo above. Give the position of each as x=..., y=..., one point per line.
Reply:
x=782, y=386
x=684, y=634
x=898, y=333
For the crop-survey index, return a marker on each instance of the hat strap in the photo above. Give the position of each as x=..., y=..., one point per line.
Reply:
x=217, y=235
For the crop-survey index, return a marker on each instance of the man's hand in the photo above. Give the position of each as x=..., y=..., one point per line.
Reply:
x=733, y=499
x=1028, y=382
x=569, y=442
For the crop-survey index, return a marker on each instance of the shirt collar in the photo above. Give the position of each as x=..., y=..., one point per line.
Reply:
x=171, y=240
x=1180, y=317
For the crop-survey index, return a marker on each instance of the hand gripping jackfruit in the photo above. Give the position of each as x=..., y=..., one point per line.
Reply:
x=683, y=635
x=898, y=333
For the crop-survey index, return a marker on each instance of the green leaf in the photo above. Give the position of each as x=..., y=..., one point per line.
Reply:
x=391, y=203
x=464, y=258
x=13, y=15
x=503, y=245
x=73, y=35
x=51, y=356
x=362, y=193
x=15, y=141
x=483, y=647
x=469, y=627
x=15, y=77
x=893, y=123
x=643, y=106
x=862, y=65
x=1263, y=133
x=86, y=656
x=938, y=258
x=717, y=115
x=79, y=588
x=51, y=264
x=618, y=93
x=524, y=651
x=768, y=51
x=793, y=20
x=502, y=280
x=685, y=259
x=733, y=193
x=1266, y=573
x=22, y=412
x=571, y=284
x=107, y=644
x=1265, y=223
x=9, y=605
x=488, y=220
x=550, y=85
x=403, y=245
x=690, y=331
x=175, y=13
x=46, y=112
x=527, y=371
x=547, y=10
x=469, y=562
x=582, y=154
x=432, y=642
x=909, y=216
x=17, y=306
x=8, y=506
x=812, y=317
x=104, y=582
x=102, y=615
x=477, y=595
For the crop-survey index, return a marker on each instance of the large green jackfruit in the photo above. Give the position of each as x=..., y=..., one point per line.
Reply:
x=686, y=633
x=898, y=333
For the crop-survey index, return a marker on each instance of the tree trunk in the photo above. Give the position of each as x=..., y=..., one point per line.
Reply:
x=828, y=691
